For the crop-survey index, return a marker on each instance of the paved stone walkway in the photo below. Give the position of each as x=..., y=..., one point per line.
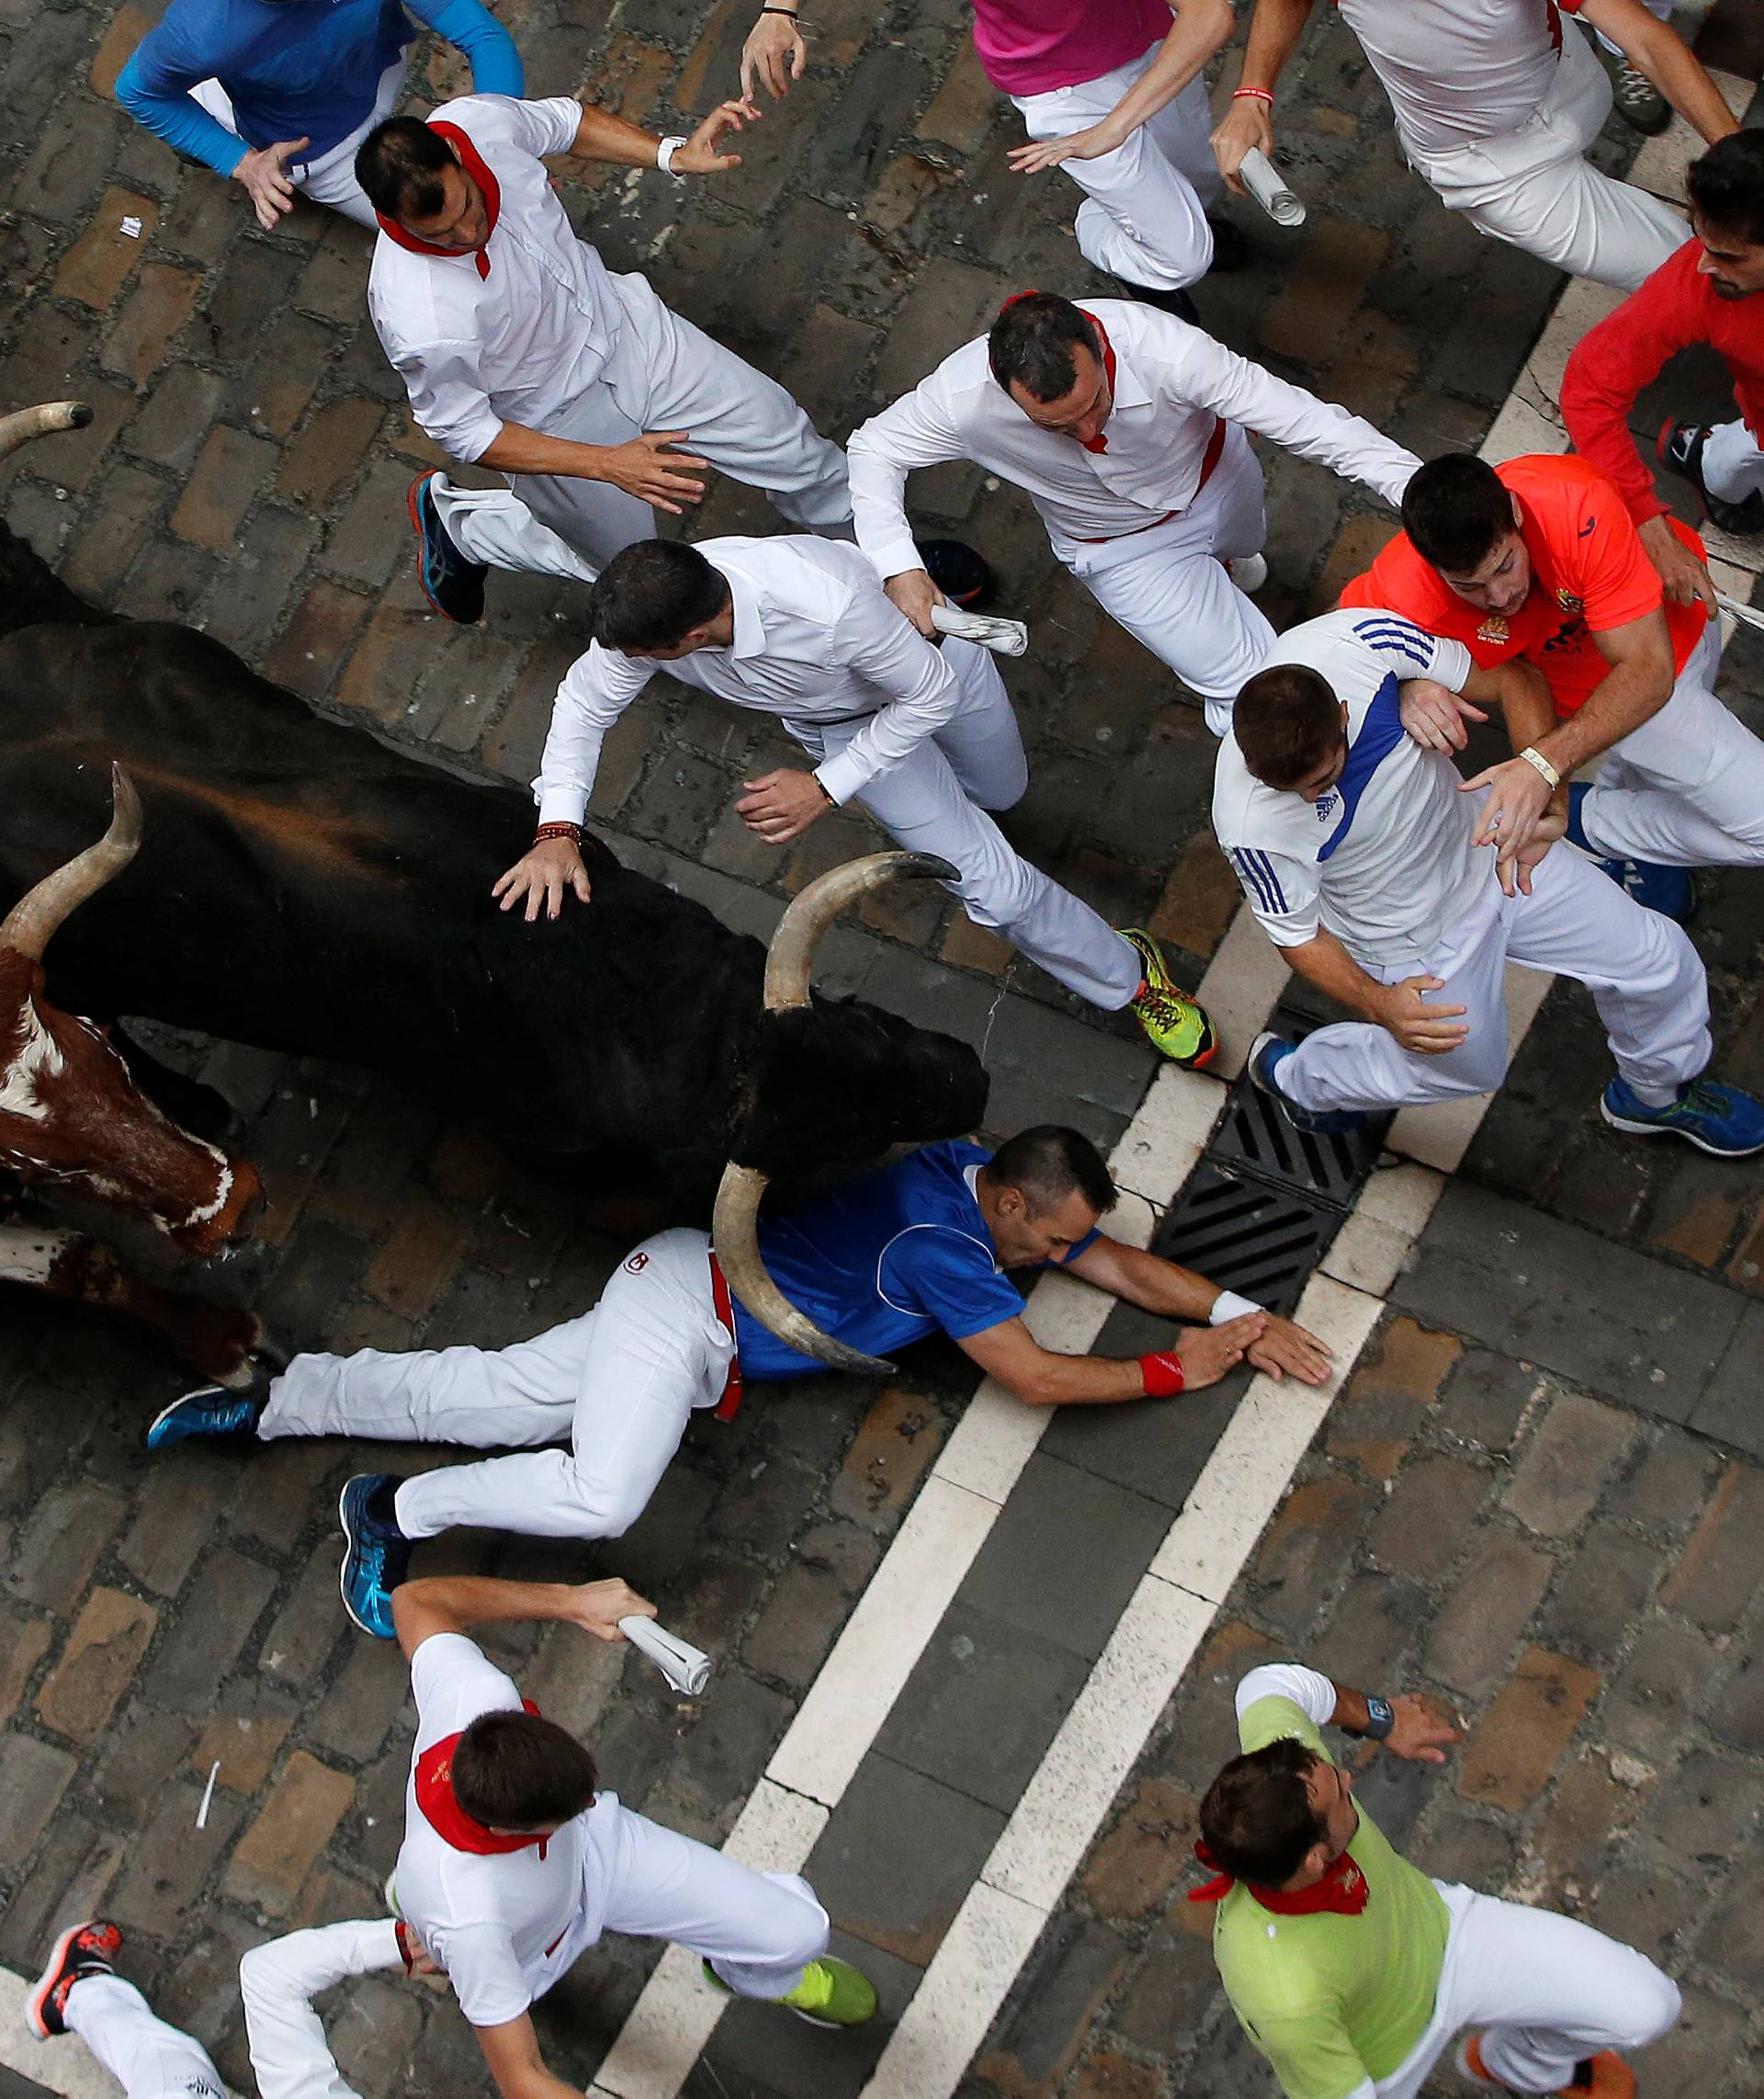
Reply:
x=1560, y=1543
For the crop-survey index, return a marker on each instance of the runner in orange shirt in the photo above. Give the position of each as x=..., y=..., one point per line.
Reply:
x=1538, y=557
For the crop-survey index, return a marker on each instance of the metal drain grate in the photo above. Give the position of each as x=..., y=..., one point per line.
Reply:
x=1247, y=1235
x=1255, y=1134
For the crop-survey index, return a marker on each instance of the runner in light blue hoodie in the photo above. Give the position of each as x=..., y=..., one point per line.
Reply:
x=278, y=93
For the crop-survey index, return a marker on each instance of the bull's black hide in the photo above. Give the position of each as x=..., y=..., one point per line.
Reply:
x=304, y=888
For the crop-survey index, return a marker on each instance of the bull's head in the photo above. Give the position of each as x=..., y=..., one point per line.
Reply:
x=70, y=1113
x=872, y=1077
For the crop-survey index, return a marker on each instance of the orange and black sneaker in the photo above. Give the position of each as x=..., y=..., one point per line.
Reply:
x=82, y=1950
x=1174, y=1024
x=1602, y=2076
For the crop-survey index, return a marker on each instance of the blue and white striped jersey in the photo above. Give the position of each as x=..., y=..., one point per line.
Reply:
x=1384, y=859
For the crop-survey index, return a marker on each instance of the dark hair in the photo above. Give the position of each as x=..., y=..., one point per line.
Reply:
x=1257, y=1818
x=515, y=1771
x=1456, y=510
x=1287, y=723
x=652, y=593
x=1032, y=340
x=1049, y=1163
x=1727, y=186
x=400, y=165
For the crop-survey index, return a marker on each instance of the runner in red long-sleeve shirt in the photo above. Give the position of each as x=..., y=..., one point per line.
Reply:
x=1710, y=291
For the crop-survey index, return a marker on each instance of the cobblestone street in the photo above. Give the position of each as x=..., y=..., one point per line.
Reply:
x=1538, y=1494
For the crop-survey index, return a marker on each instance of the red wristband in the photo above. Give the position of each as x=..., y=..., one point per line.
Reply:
x=570, y=831
x=1253, y=95
x=401, y=1932
x=1162, y=1373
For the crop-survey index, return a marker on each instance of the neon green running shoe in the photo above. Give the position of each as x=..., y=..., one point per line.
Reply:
x=1174, y=1024
x=831, y=1992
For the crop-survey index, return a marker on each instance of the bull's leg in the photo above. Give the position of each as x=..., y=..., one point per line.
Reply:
x=191, y=1104
x=215, y=1340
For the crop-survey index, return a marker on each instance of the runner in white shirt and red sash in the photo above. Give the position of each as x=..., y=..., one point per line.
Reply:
x=522, y=352
x=1125, y=427
x=1497, y=102
x=513, y=1862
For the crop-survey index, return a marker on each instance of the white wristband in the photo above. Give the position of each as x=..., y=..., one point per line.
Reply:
x=1540, y=765
x=1229, y=1305
x=665, y=154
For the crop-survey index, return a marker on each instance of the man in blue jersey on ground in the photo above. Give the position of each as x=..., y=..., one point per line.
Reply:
x=278, y=93
x=919, y=1248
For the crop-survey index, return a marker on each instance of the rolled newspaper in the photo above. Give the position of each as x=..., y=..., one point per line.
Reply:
x=1267, y=186
x=687, y=1668
x=1003, y=637
x=1747, y=615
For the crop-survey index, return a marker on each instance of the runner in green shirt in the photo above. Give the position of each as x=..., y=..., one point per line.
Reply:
x=1350, y=1971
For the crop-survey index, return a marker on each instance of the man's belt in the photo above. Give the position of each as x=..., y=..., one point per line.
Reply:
x=725, y=1304
x=1215, y=448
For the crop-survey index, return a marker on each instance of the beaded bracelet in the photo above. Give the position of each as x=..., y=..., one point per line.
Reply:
x=570, y=831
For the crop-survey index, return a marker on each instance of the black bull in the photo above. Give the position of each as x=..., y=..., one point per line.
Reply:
x=303, y=888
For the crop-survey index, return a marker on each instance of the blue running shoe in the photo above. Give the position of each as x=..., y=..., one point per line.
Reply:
x=451, y=581
x=1267, y=1054
x=377, y=1554
x=1672, y=892
x=211, y=1411
x=1712, y=1116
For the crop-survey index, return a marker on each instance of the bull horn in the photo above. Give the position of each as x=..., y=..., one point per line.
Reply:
x=789, y=963
x=32, y=922
x=791, y=957
x=735, y=1235
x=29, y=423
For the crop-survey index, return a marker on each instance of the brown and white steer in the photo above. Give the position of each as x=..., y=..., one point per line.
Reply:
x=73, y=1118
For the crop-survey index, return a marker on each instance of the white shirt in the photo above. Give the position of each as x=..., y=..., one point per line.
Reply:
x=1384, y=859
x=817, y=639
x=516, y=343
x=290, y=2054
x=503, y=1926
x=1459, y=70
x=1171, y=384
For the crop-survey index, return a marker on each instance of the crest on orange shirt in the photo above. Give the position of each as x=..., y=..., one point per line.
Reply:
x=1569, y=602
x=1493, y=630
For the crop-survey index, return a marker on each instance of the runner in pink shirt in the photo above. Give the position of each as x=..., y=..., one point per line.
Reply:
x=1111, y=91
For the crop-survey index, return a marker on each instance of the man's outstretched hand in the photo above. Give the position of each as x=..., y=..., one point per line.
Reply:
x=1422, y=1734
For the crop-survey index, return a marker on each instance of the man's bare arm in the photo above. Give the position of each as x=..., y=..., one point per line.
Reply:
x=647, y=467
x=455, y=1603
x=1655, y=50
x=1418, y=1024
x=512, y=2056
x=1173, y=1292
x=1275, y=30
x=1043, y=1378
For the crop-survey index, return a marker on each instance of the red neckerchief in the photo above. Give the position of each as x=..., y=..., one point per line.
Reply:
x=474, y=166
x=443, y=1812
x=1099, y=443
x=1342, y=1892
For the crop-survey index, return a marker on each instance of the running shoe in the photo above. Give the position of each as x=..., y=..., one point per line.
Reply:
x=1230, y=245
x=1602, y=2076
x=964, y=577
x=1174, y=1024
x=1176, y=303
x=451, y=581
x=377, y=1554
x=1672, y=892
x=82, y=1950
x=1714, y=1117
x=1639, y=103
x=831, y=1992
x=1267, y=1054
x=1679, y=449
x=214, y=1411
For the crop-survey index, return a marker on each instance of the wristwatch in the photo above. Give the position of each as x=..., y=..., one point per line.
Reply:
x=1380, y=1719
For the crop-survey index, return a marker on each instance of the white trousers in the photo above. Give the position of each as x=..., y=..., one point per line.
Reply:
x=1535, y=189
x=330, y=179
x=146, y=2057
x=1733, y=466
x=617, y=1385
x=1687, y=787
x=291, y=2057
x=664, y=374
x=1144, y=218
x=1644, y=976
x=936, y=799
x=1168, y=588
x=1545, y=1993
x=758, y=1931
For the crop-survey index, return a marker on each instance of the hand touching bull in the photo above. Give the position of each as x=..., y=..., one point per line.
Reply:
x=550, y=865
